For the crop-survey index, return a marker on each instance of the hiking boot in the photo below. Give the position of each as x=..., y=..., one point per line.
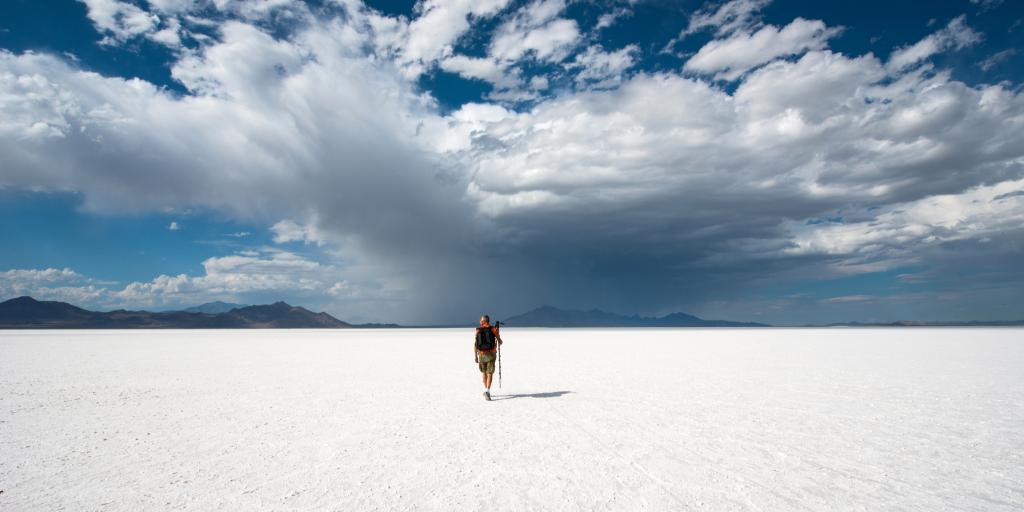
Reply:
x=487, y=395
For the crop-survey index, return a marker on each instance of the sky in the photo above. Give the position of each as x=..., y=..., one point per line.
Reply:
x=424, y=162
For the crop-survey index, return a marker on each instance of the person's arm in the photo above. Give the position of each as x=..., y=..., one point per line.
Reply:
x=475, y=357
x=498, y=336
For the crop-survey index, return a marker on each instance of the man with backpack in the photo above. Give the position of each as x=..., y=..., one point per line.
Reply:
x=485, y=349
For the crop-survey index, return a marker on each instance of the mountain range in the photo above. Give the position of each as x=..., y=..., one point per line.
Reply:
x=549, y=316
x=916, y=323
x=214, y=307
x=28, y=313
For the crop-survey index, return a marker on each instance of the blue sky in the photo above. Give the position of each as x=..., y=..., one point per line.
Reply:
x=778, y=161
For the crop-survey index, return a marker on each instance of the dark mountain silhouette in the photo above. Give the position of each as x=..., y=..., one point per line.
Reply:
x=28, y=313
x=549, y=316
x=26, y=310
x=214, y=307
x=281, y=314
x=915, y=323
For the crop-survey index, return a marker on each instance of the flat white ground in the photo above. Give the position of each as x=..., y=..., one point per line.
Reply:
x=590, y=419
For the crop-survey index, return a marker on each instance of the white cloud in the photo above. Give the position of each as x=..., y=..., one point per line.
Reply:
x=849, y=298
x=231, y=67
x=730, y=58
x=51, y=284
x=120, y=20
x=954, y=36
x=26, y=277
x=169, y=35
x=536, y=31
x=231, y=276
x=268, y=274
x=161, y=20
x=610, y=18
x=604, y=69
x=437, y=26
x=290, y=231
x=898, y=235
x=516, y=95
x=728, y=17
x=483, y=68
x=457, y=131
x=997, y=58
x=533, y=32
x=259, y=9
x=818, y=86
x=174, y=6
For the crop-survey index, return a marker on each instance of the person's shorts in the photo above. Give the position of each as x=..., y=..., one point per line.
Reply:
x=486, y=362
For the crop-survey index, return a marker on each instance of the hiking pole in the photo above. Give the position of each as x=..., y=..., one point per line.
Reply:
x=497, y=327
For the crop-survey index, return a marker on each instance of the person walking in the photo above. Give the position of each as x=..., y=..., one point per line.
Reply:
x=485, y=350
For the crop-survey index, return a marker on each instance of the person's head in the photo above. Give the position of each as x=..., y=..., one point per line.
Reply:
x=485, y=320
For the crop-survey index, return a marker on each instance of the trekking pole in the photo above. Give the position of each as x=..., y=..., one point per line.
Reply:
x=497, y=327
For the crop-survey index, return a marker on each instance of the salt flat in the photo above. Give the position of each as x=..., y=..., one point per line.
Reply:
x=590, y=419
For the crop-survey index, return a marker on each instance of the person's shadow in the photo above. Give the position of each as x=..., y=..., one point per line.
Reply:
x=548, y=394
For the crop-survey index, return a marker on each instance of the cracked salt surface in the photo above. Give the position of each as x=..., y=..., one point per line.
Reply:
x=591, y=419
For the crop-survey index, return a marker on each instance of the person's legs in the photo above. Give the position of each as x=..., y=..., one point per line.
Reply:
x=487, y=371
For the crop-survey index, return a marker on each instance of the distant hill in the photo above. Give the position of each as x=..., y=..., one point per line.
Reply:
x=375, y=325
x=281, y=314
x=914, y=323
x=214, y=307
x=549, y=316
x=28, y=313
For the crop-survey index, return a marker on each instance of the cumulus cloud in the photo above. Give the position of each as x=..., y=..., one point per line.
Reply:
x=730, y=58
x=483, y=68
x=291, y=231
x=272, y=130
x=727, y=17
x=48, y=276
x=536, y=30
x=419, y=44
x=601, y=69
x=170, y=35
x=610, y=18
x=120, y=20
x=231, y=276
x=954, y=36
x=899, y=235
x=52, y=284
x=672, y=174
x=254, y=276
x=175, y=6
x=162, y=21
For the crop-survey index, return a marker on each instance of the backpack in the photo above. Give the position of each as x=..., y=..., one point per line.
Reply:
x=485, y=339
